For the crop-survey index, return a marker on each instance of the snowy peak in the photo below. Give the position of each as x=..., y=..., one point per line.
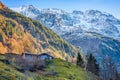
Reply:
x=31, y=8
x=99, y=15
x=28, y=7
x=63, y=22
x=77, y=12
x=92, y=12
x=53, y=11
x=28, y=10
x=31, y=11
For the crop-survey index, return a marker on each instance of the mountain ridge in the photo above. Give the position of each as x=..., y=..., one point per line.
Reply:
x=42, y=37
x=86, y=21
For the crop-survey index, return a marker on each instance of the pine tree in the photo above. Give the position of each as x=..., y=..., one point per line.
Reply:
x=92, y=65
x=80, y=61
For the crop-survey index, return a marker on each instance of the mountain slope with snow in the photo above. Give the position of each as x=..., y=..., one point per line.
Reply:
x=94, y=31
x=62, y=22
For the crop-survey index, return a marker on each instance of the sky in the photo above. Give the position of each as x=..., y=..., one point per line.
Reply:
x=109, y=6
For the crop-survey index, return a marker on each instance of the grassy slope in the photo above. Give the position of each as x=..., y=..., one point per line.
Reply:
x=63, y=69
x=68, y=71
x=9, y=73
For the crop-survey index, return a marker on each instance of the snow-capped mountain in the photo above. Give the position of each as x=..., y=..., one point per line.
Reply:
x=94, y=31
x=29, y=11
x=62, y=22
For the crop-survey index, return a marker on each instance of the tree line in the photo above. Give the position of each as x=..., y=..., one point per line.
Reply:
x=106, y=69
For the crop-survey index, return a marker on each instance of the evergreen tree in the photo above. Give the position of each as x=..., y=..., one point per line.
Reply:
x=80, y=61
x=92, y=65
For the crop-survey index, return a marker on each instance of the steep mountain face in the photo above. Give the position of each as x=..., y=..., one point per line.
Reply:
x=97, y=44
x=21, y=34
x=94, y=31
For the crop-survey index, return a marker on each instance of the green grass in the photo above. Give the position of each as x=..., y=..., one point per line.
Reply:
x=9, y=73
x=68, y=71
x=63, y=71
